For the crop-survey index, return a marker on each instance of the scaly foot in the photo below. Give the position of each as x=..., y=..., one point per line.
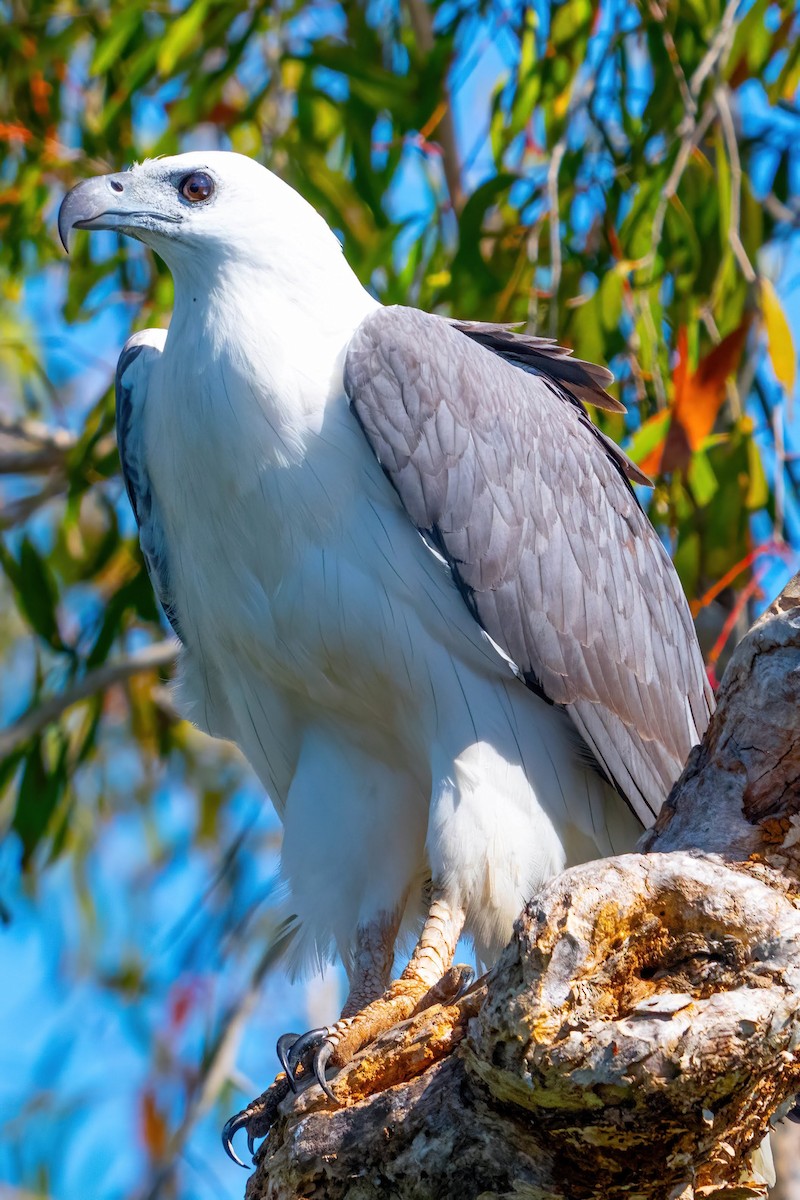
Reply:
x=337, y=1044
x=307, y=1057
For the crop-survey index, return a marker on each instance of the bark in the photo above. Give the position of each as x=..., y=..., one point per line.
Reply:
x=642, y=1027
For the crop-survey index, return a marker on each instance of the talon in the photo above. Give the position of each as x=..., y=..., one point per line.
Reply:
x=321, y=1060
x=230, y=1129
x=467, y=980
x=285, y=1043
x=297, y=1052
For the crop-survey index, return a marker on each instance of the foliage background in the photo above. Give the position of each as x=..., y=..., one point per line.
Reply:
x=621, y=174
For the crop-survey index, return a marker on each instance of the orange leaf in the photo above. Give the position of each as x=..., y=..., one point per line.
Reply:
x=699, y=395
x=703, y=392
x=13, y=131
x=153, y=1126
x=727, y=579
x=40, y=92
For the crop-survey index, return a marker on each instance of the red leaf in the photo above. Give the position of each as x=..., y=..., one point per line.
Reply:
x=183, y=997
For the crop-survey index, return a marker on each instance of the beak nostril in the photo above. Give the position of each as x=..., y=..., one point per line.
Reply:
x=116, y=185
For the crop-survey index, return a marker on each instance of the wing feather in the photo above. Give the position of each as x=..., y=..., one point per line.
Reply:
x=532, y=507
x=139, y=354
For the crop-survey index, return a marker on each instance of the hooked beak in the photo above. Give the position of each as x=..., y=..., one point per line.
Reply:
x=103, y=203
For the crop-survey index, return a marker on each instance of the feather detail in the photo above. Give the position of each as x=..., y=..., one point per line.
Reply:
x=532, y=508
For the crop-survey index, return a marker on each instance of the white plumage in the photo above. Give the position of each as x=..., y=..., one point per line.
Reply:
x=320, y=631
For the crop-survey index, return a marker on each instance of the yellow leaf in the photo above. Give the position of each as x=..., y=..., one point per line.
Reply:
x=561, y=102
x=779, y=337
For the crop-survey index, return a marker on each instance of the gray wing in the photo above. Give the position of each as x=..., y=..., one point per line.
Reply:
x=503, y=471
x=136, y=361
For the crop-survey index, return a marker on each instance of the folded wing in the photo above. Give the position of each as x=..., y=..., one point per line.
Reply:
x=531, y=506
x=139, y=354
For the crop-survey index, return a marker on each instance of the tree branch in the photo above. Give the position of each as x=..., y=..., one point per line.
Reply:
x=151, y=658
x=718, y=50
x=419, y=14
x=641, y=1028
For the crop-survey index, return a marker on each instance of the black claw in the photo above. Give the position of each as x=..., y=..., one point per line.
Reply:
x=285, y=1043
x=321, y=1059
x=231, y=1128
x=467, y=980
x=309, y=1041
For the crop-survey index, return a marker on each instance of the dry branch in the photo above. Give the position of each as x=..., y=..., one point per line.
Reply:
x=45, y=712
x=641, y=1029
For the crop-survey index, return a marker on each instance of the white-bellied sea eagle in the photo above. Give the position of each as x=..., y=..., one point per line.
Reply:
x=410, y=578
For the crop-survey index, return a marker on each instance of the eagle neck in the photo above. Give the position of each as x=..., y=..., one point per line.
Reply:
x=295, y=323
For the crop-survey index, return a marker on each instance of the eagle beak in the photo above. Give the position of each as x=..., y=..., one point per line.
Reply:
x=91, y=204
x=105, y=202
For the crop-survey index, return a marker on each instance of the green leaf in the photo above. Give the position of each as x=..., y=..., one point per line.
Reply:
x=36, y=590
x=701, y=478
x=108, y=49
x=180, y=35
x=758, y=495
x=41, y=788
x=39, y=594
x=649, y=436
x=471, y=228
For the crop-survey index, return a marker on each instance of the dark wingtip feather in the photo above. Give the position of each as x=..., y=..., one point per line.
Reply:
x=543, y=356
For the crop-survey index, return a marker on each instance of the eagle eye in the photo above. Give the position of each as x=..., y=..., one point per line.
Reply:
x=196, y=187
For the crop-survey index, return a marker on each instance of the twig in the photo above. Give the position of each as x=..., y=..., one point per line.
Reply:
x=422, y=25
x=553, y=169
x=161, y=654
x=36, y=447
x=41, y=434
x=780, y=461
x=689, y=103
x=689, y=141
x=30, y=462
x=729, y=133
x=19, y=511
x=718, y=49
x=692, y=130
x=735, y=615
x=780, y=211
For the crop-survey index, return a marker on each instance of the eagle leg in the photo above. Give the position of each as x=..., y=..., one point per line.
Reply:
x=369, y=970
x=371, y=1009
x=428, y=979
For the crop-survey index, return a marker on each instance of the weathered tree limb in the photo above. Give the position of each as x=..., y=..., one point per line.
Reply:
x=643, y=1025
